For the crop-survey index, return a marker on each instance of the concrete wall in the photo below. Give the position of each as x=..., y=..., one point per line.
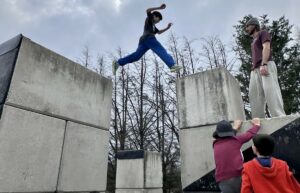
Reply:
x=30, y=151
x=47, y=82
x=208, y=97
x=54, y=125
x=84, y=159
x=204, y=99
x=139, y=172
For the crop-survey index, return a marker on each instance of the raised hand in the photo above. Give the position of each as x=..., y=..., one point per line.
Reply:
x=237, y=124
x=170, y=25
x=255, y=121
x=163, y=6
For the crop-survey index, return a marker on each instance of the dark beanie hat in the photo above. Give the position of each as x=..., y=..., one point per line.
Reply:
x=224, y=129
x=252, y=21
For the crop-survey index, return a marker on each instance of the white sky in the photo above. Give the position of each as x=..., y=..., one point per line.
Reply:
x=66, y=26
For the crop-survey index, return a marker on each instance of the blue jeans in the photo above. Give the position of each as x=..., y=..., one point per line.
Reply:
x=144, y=46
x=231, y=185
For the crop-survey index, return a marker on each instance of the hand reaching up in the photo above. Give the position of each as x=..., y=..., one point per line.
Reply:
x=255, y=121
x=163, y=6
x=237, y=125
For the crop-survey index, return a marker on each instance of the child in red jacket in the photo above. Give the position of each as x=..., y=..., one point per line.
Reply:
x=266, y=174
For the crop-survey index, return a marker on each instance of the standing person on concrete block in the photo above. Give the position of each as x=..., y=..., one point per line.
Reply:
x=265, y=174
x=148, y=41
x=227, y=153
x=264, y=87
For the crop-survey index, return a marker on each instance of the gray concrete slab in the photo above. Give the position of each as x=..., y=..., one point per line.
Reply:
x=139, y=170
x=30, y=151
x=130, y=173
x=197, y=152
x=153, y=170
x=208, y=97
x=139, y=191
x=84, y=159
x=50, y=83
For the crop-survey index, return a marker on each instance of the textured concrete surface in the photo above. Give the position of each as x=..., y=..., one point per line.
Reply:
x=197, y=151
x=208, y=97
x=30, y=151
x=139, y=191
x=204, y=99
x=130, y=173
x=141, y=174
x=84, y=159
x=153, y=170
x=54, y=127
x=48, y=82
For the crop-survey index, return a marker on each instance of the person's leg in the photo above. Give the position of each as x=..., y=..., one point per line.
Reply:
x=159, y=50
x=236, y=184
x=141, y=50
x=232, y=185
x=256, y=95
x=272, y=91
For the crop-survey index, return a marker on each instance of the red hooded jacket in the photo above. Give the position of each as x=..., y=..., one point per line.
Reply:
x=277, y=179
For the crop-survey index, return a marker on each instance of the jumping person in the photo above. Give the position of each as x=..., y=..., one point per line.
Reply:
x=148, y=41
x=264, y=87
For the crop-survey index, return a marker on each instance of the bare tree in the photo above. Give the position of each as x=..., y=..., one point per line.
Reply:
x=214, y=54
x=100, y=69
x=86, y=57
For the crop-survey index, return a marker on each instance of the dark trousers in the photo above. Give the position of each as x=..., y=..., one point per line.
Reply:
x=232, y=185
x=143, y=47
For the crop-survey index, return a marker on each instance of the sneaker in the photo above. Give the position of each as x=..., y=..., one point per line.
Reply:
x=175, y=68
x=115, y=66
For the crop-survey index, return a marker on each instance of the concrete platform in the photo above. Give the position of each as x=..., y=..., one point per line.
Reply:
x=50, y=83
x=208, y=97
x=54, y=121
x=29, y=153
x=84, y=159
x=204, y=99
x=139, y=171
x=139, y=191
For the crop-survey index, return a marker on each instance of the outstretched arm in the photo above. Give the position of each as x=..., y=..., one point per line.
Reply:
x=165, y=29
x=248, y=135
x=149, y=10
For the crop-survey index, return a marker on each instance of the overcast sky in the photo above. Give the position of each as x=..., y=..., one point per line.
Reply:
x=66, y=26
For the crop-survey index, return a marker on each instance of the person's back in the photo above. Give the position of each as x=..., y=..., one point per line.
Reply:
x=228, y=158
x=227, y=154
x=266, y=174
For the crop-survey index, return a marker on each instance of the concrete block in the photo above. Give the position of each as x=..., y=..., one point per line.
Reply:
x=84, y=159
x=139, y=190
x=143, y=167
x=269, y=125
x=196, y=153
x=43, y=91
x=153, y=170
x=30, y=151
x=130, y=173
x=8, y=54
x=49, y=83
x=208, y=97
